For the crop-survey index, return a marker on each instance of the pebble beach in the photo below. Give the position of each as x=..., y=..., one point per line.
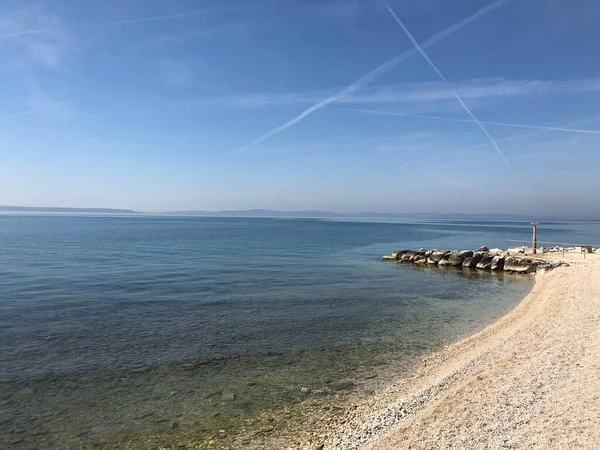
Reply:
x=529, y=380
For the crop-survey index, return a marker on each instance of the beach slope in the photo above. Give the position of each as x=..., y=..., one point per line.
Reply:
x=530, y=380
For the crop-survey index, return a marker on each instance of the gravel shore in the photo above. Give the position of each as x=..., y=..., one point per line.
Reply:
x=530, y=380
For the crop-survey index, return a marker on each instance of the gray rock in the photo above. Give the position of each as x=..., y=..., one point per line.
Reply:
x=437, y=256
x=469, y=262
x=407, y=256
x=420, y=259
x=444, y=262
x=432, y=261
x=483, y=248
x=464, y=253
x=472, y=261
x=388, y=258
x=342, y=386
x=228, y=396
x=485, y=262
x=456, y=259
x=519, y=265
x=428, y=253
x=497, y=263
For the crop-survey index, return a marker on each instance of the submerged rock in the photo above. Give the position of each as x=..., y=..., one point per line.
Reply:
x=228, y=396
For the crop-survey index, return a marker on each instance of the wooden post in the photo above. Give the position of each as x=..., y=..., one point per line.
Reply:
x=534, y=241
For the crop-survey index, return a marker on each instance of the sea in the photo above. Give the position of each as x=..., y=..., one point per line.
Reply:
x=142, y=331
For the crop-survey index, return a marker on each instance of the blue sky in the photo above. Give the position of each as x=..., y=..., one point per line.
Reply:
x=161, y=105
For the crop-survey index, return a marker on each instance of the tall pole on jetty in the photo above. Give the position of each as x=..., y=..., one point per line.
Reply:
x=534, y=241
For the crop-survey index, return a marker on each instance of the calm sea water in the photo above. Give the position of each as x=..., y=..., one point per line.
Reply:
x=120, y=330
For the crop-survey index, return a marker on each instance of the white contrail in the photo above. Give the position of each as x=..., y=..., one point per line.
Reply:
x=541, y=131
x=22, y=33
x=441, y=75
x=454, y=119
x=371, y=76
x=174, y=16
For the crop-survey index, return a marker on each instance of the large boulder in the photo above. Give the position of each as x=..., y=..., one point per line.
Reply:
x=432, y=261
x=464, y=253
x=519, y=265
x=421, y=251
x=485, y=262
x=456, y=259
x=420, y=259
x=444, y=262
x=406, y=257
x=399, y=253
x=471, y=261
x=497, y=263
x=437, y=256
x=483, y=248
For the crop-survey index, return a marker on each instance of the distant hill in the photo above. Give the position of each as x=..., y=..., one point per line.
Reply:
x=301, y=214
x=43, y=209
x=328, y=214
x=259, y=213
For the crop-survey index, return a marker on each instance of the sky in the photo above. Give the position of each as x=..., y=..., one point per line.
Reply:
x=463, y=106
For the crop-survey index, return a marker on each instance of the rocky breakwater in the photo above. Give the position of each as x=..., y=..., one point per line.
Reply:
x=483, y=259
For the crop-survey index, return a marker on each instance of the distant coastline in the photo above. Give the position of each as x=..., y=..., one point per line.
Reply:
x=307, y=214
x=49, y=209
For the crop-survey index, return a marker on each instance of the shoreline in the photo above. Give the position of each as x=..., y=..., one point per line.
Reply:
x=495, y=388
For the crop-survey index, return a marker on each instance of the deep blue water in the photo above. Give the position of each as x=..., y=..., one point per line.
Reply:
x=102, y=294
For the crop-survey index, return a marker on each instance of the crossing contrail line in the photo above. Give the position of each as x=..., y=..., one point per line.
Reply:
x=441, y=75
x=374, y=74
x=455, y=119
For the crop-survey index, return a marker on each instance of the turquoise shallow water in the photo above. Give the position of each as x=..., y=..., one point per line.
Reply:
x=114, y=328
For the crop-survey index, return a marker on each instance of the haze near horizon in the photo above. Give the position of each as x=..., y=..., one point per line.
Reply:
x=472, y=106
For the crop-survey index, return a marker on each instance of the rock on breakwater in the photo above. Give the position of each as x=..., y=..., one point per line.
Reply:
x=483, y=259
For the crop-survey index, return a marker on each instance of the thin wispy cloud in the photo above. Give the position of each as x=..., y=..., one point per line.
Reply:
x=32, y=34
x=374, y=74
x=434, y=67
x=178, y=16
x=22, y=33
